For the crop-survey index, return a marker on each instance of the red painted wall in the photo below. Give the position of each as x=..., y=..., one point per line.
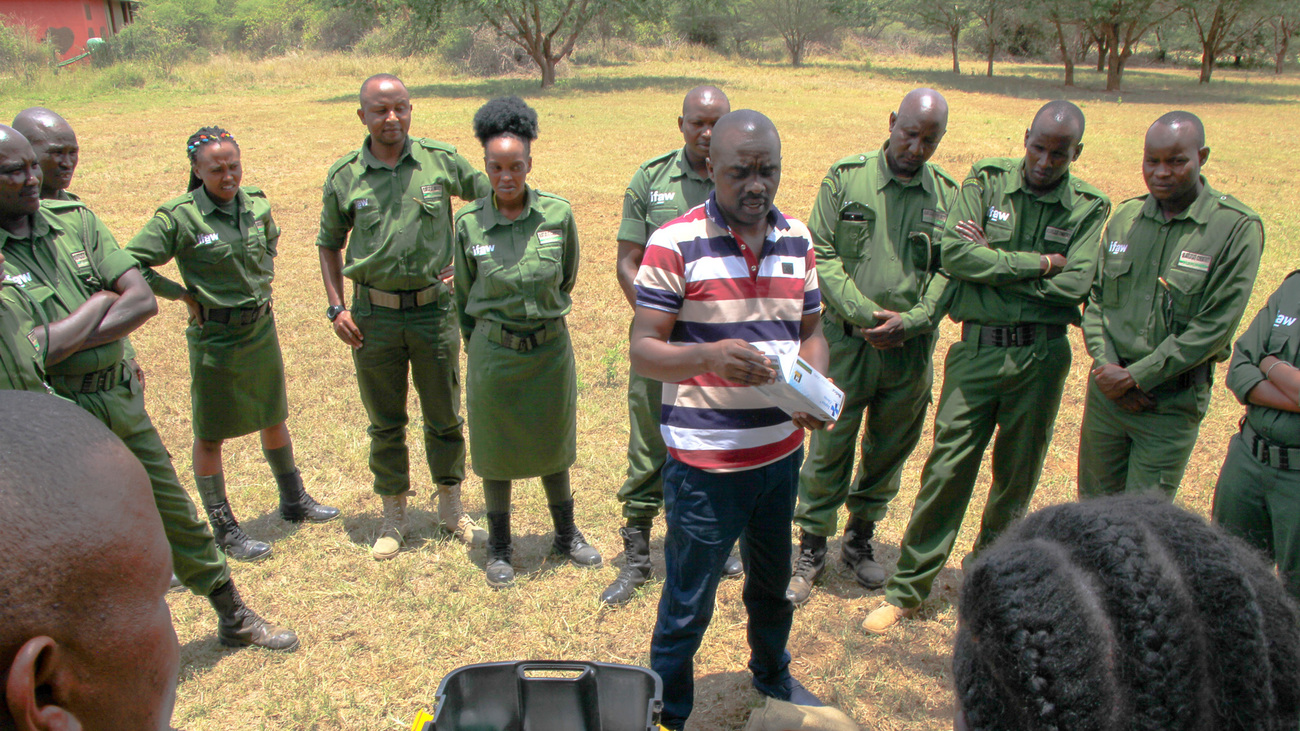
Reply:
x=65, y=19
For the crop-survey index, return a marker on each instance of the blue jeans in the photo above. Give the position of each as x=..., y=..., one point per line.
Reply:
x=706, y=513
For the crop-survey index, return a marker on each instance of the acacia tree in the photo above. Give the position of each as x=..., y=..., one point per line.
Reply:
x=1068, y=20
x=989, y=13
x=1123, y=23
x=1283, y=19
x=942, y=16
x=799, y=22
x=1218, y=24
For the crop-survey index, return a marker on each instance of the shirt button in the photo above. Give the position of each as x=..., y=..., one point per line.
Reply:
x=753, y=269
x=742, y=247
x=1148, y=298
x=1142, y=332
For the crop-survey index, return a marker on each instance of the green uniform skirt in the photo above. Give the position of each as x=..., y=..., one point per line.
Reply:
x=522, y=408
x=236, y=378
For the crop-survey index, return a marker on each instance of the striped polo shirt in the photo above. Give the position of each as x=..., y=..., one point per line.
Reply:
x=694, y=267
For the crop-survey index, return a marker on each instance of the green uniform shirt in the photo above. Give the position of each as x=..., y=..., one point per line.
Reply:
x=662, y=189
x=400, y=217
x=225, y=260
x=22, y=357
x=1000, y=284
x=1275, y=331
x=1208, y=256
x=876, y=239
x=515, y=272
x=69, y=256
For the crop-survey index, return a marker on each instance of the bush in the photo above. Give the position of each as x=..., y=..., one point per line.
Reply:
x=399, y=34
x=22, y=55
x=126, y=75
x=341, y=29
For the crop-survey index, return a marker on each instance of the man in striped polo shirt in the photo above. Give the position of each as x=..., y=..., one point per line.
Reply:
x=719, y=288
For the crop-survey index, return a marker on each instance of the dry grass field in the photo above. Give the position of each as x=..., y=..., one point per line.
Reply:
x=378, y=637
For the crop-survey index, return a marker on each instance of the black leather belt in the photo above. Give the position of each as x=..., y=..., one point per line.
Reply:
x=236, y=315
x=1010, y=336
x=1268, y=453
x=96, y=381
x=1195, y=376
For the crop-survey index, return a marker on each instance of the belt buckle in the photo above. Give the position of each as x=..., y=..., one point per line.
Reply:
x=998, y=336
x=407, y=300
x=528, y=342
x=1283, y=458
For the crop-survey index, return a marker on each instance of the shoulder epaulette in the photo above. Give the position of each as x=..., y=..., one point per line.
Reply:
x=853, y=161
x=342, y=162
x=468, y=208
x=941, y=173
x=177, y=202
x=659, y=161
x=255, y=191
x=429, y=144
x=1002, y=164
x=1083, y=187
x=1228, y=201
x=57, y=206
x=544, y=194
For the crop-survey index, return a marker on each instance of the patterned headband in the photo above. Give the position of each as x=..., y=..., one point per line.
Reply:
x=205, y=138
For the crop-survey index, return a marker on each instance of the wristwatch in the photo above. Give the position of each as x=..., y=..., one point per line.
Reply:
x=333, y=311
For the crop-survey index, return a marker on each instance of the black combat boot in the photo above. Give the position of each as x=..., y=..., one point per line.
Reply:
x=858, y=555
x=297, y=506
x=231, y=538
x=808, y=567
x=569, y=541
x=636, y=565
x=732, y=568
x=239, y=626
x=500, y=573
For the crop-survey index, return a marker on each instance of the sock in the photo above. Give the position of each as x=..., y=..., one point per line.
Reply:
x=557, y=488
x=212, y=488
x=281, y=460
x=496, y=495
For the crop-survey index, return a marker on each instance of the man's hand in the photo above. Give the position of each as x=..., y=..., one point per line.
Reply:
x=446, y=275
x=739, y=362
x=196, y=311
x=972, y=231
x=1135, y=401
x=888, y=334
x=347, y=330
x=808, y=421
x=1049, y=265
x=1113, y=380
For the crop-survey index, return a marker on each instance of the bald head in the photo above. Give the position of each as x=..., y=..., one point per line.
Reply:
x=1059, y=115
x=915, y=131
x=379, y=83
x=1180, y=123
x=701, y=109
x=55, y=145
x=20, y=183
x=746, y=123
x=84, y=566
x=707, y=96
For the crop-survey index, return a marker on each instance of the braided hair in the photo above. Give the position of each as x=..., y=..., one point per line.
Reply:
x=205, y=136
x=506, y=115
x=1125, y=613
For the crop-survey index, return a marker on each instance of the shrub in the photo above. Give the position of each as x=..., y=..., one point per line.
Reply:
x=341, y=29
x=22, y=55
x=126, y=75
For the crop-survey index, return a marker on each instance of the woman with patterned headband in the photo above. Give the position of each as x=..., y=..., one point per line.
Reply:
x=223, y=239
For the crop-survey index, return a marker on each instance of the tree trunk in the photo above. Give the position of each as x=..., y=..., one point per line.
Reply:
x=1101, y=55
x=1280, y=58
x=992, y=49
x=548, y=71
x=1115, y=67
x=1207, y=65
x=1066, y=58
x=956, y=65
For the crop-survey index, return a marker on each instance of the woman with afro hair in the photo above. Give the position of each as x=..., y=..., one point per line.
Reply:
x=1126, y=614
x=516, y=255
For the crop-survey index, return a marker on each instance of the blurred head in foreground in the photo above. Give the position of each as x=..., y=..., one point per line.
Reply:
x=86, y=639
x=1124, y=613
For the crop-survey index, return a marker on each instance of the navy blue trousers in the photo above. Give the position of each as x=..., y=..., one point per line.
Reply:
x=706, y=513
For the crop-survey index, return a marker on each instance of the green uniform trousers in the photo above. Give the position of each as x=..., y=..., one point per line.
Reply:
x=1261, y=504
x=195, y=558
x=642, y=493
x=1016, y=390
x=893, y=387
x=1123, y=452
x=424, y=342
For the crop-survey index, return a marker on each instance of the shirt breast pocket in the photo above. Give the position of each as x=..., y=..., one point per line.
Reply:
x=659, y=215
x=853, y=231
x=1185, y=290
x=213, y=253
x=1111, y=271
x=550, y=260
x=998, y=236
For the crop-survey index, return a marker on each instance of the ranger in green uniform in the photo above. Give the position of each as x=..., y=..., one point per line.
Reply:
x=1258, y=493
x=662, y=189
x=516, y=263
x=390, y=202
x=61, y=255
x=1177, y=269
x=875, y=226
x=1021, y=248
x=224, y=241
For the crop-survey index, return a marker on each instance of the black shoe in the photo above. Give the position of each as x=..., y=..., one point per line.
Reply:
x=297, y=506
x=790, y=691
x=857, y=554
x=732, y=568
x=808, y=567
x=500, y=573
x=239, y=626
x=231, y=538
x=636, y=566
x=569, y=541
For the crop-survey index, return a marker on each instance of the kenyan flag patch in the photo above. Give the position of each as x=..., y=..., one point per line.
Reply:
x=546, y=238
